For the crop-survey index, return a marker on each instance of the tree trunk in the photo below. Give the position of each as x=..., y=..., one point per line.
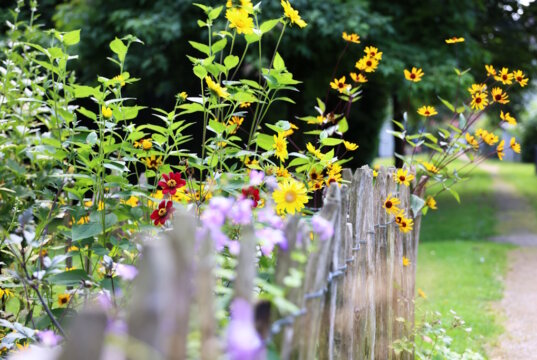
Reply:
x=399, y=144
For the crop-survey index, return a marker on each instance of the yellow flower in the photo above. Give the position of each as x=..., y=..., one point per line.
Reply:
x=406, y=225
x=350, y=146
x=251, y=163
x=292, y=14
x=500, y=150
x=315, y=185
x=491, y=71
x=427, y=111
x=315, y=175
x=479, y=101
x=153, y=162
x=373, y=53
x=145, y=144
x=216, y=88
x=235, y=121
x=431, y=203
x=499, y=96
x=290, y=196
x=183, y=95
x=180, y=194
x=406, y=261
x=23, y=346
x=240, y=20
x=514, y=145
x=6, y=292
x=454, y=40
x=131, y=201
x=422, y=294
x=316, y=152
x=471, y=140
x=247, y=6
x=390, y=204
x=245, y=105
x=158, y=195
x=290, y=131
x=339, y=85
x=106, y=111
x=229, y=3
x=367, y=64
x=490, y=138
x=280, y=146
x=504, y=76
x=477, y=88
x=359, y=78
x=353, y=38
x=64, y=299
x=414, y=75
x=520, y=78
x=317, y=121
x=282, y=172
x=507, y=118
x=375, y=173
x=120, y=79
x=83, y=220
x=403, y=177
x=430, y=167
x=399, y=216
x=69, y=268
x=73, y=248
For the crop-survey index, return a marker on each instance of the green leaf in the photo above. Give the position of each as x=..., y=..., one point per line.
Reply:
x=264, y=141
x=119, y=48
x=87, y=113
x=448, y=104
x=216, y=126
x=416, y=203
x=252, y=38
x=71, y=38
x=455, y=194
x=278, y=64
x=343, y=125
x=200, y=72
x=82, y=91
x=268, y=25
x=215, y=13
x=201, y=47
x=69, y=278
x=127, y=112
x=92, y=138
x=219, y=45
x=84, y=231
x=331, y=141
x=231, y=61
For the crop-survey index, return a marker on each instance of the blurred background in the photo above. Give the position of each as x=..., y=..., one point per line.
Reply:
x=409, y=33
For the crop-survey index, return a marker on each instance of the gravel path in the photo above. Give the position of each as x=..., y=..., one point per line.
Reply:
x=517, y=225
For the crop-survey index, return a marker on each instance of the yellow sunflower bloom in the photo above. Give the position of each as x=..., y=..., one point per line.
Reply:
x=63, y=299
x=292, y=14
x=353, y=38
x=406, y=261
x=490, y=138
x=245, y=105
x=290, y=196
x=477, y=88
x=350, y=146
x=340, y=85
x=216, y=88
x=403, y=177
x=106, y=111
x=491, y=71
x=507, y=118
x=153, y=162
x=280, y=146
x=414, y=75
x=373, y=53
x=500, y=150
x=431, y=203
x=479, y=101
x=247, y=6
x=406, y=225
x=427, y=111
x=514, y=145
x=471, y=140
x=430, y=167
x=367, y=64
x=240, y=20
x=504, y=76
x=390, y=205
x=359, y=78
x=454, y=40
x=316, y=152
x=499, y=96
x=520, y=78
x=422, y=294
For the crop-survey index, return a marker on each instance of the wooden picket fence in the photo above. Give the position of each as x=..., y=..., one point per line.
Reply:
x=355, y=289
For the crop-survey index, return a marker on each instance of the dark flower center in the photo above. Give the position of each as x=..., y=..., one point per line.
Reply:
x=504, y=77
x=498, y=97
x=369, y=63
x=519, y=78
x=412, y=76
x=478, y=100
x=402, y=178
x=162, y=212
x=388, y=204
x=171, y=183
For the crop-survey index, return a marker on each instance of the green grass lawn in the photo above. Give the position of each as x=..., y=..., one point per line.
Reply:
x=457, y=268
x=523, y=177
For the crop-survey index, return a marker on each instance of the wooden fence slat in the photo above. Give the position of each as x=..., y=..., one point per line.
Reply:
x=86, y=336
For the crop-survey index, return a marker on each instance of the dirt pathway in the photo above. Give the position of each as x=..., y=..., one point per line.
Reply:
x=517, y=225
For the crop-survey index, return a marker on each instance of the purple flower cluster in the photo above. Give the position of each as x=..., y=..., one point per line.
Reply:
x=243, y=341
x=322, y=227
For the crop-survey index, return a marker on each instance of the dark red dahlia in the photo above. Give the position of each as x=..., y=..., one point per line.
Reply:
x=251, y=193
x=162, y=213
x=171, y=183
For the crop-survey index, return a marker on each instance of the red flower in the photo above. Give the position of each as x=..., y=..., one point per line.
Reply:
x=251, y=193
x=171, y=183
x=163, y=212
